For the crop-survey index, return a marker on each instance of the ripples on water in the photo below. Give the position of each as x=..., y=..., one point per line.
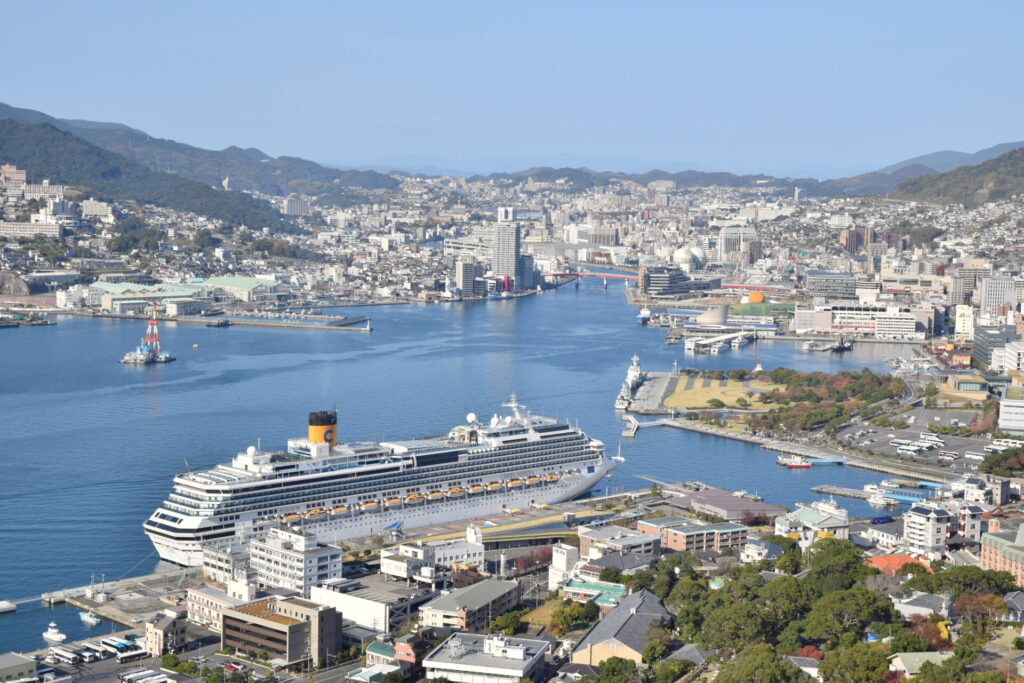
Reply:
x=88, y=446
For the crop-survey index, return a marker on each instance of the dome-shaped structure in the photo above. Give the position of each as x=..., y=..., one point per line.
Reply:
x=756, y=298
x=716, y=315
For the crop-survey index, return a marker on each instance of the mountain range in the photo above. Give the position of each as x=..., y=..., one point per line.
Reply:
x=168, y=162
x=67, y=159
x=246, y=169
x=993, y=180
x=947, y=160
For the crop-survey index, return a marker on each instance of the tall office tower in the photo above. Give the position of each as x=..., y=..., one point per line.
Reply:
x=996, y=291
x=850, y=239
x=867, y=235
x=506, y=214
x=505, y=260
x=466, y=273
x=731, y=240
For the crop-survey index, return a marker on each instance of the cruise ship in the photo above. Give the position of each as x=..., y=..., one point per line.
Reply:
x=345, y=490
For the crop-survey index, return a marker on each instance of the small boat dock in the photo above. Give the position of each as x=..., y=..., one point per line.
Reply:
x=830, y=490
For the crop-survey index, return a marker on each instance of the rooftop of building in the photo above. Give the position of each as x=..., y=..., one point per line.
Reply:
x=605, y=594
x=1013, y=393
x=629, y=622
x=376, y=588
x=467, y=649
x=474, y=597
x=264, y=609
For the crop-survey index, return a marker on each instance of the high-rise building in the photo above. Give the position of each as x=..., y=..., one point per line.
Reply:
x=996, y=291
x=988, y=339
x=505, y=260
x=295, y=206
x=467, y=272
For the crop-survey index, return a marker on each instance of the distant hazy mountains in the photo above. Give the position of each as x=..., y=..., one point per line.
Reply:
x=948, y=160
x=247, y=169
x=996, y=179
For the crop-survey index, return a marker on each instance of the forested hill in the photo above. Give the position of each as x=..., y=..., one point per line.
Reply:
x=247, y=169
x=971, y=185
x=46, y=152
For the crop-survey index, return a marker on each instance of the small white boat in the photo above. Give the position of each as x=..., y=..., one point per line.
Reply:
x=880, y=501
x=718, y=348
x=7, y=606
x=90, y=618
x=53, y=634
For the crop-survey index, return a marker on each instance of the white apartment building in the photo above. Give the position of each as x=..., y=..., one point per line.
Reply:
x=930, y=529
x=292, y=558
x=1011, y=410
x=896, y=325
x=1008, y=358
x=996, y=291
x=963, y=320
x=98, y=210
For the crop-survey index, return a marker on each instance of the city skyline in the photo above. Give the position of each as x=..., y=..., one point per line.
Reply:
x=810, y=91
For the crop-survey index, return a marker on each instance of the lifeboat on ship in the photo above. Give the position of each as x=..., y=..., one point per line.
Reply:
x=368, y=505
x=435, y=495
x=339, y=509
x=414, y=498
x=532, y=480
x=392, y=502
x=513, y=483
x=316, y=512
x=456, y=491
x=476, y=488
x=551, y=477
x=291, y=517
x=494, y=486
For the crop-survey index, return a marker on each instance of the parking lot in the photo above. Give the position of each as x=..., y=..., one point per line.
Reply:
x=877, y=439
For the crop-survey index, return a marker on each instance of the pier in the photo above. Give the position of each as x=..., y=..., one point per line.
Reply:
x=830, y=490
x=309, y=322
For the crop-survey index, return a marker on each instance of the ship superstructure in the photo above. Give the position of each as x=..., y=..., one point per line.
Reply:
x=635, y=376
x=345, y=490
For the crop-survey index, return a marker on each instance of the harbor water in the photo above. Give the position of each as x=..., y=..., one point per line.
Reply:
x=88, y=446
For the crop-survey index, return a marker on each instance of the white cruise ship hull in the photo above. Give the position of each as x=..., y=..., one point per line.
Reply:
x=467, y=507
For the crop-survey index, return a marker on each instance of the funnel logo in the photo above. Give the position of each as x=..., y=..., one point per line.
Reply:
x=329, y=435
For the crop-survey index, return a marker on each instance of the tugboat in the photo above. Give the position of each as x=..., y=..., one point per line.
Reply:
x=223, y=322
x=148, y=351
x=53, y=634
x=793, y=462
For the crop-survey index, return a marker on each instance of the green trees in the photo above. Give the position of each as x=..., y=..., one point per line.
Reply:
x=671, y=670
x=509, y=622
x=659, y=640
x=610, y=574
x=858, y=663
x=843, y=616
x=572, y=614
x=760, y=663
x=835, y=564
x=963, y=579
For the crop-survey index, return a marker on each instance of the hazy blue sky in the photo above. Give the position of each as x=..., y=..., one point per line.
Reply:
x=779, y=87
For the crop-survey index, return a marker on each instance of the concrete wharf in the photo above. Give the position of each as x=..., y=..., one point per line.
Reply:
x=830, y=490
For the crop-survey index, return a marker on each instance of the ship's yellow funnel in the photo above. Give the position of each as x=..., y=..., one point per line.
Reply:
x=323, y=427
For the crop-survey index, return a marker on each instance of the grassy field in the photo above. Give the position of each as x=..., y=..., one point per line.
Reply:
x=699, y=395
x=542, y=615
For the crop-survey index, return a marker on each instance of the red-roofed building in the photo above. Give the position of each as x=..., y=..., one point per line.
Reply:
x=890, y=564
